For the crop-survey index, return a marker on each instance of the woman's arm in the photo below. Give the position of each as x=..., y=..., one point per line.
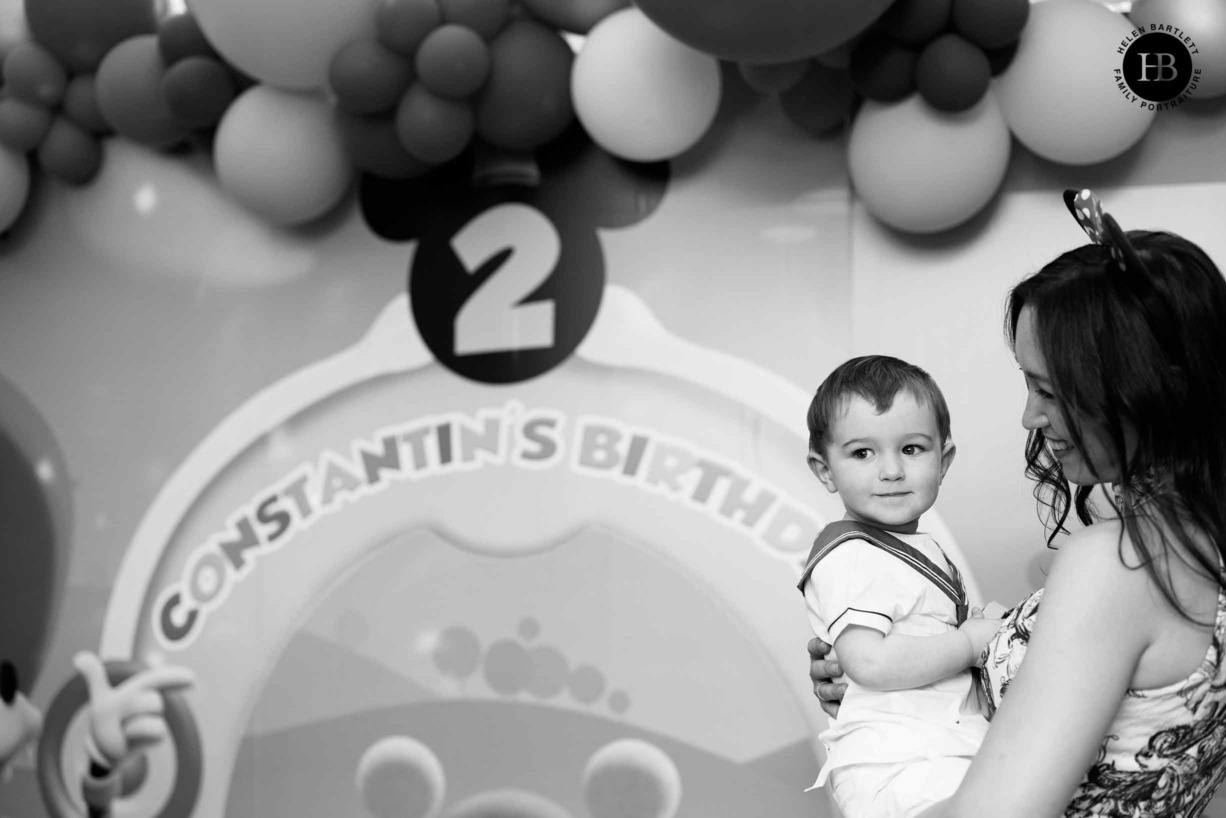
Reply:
x=895, y=661
x=1093, y=625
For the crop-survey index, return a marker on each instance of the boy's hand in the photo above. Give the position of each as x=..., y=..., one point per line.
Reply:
x=823, y=672
x=979, y=631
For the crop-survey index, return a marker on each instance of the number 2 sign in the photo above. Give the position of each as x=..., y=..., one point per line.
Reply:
x=507, y=277
x=507, y=294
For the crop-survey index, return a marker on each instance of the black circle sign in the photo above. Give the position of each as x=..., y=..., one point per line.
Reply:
x=502, y=291
x=1157, y=66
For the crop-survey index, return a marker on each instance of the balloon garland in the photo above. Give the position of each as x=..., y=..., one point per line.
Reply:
x=394, y=88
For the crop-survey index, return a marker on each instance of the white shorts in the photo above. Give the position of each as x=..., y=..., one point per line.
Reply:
x=901, y=790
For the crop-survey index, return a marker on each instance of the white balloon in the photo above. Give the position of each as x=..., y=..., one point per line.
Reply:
x=640, y=93
x=1060, y=94
x=280, y=154
x=921, y=170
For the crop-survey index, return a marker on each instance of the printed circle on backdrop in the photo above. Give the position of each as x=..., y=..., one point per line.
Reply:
x=501, y=292
x=1157, y=66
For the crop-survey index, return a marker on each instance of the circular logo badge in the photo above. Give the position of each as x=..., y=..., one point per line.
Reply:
x=1157, y=66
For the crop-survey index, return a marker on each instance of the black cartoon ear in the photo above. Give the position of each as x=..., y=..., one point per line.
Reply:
x=405, y=209
x=8, y=682
x=578, y=175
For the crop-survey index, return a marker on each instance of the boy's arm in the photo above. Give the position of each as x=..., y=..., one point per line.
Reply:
x=896, y=661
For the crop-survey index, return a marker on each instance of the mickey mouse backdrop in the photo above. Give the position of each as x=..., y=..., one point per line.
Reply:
x=482, y=493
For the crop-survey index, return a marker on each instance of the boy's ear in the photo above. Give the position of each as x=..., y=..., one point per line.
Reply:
x=947, y=456
x=817, y=465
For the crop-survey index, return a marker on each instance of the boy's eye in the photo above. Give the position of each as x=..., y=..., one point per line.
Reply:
x=860, y=454
x=912, y=449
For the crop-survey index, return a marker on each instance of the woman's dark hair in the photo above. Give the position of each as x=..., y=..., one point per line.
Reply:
x=1143, y=350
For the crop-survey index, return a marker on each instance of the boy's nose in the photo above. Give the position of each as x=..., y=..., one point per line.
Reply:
x=891, y=469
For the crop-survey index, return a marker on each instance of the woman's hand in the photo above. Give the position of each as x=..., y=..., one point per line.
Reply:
x=823, y=672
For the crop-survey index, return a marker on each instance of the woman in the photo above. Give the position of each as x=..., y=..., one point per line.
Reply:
x=1119, y=707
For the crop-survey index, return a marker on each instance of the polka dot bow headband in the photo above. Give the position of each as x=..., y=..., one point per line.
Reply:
x=1102, y=228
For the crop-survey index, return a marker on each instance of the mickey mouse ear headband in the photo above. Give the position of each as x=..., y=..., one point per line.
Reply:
x=1102, y=228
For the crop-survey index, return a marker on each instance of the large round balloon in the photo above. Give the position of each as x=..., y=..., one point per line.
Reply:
x=14, y=185
x=1060, y=94
x=642, y=94
x=281, y=155
x=923, y=171
x=763, y=30
x=129, y=87
x=81, y=32
x=285, y=43
x=1202, y=20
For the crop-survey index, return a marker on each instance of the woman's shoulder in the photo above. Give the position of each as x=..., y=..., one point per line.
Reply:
x=1103, y=547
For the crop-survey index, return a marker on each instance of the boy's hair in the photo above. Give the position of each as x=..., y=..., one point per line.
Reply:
x=878, y=379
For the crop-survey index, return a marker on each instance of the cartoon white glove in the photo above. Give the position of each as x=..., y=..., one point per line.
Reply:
x=127, y=719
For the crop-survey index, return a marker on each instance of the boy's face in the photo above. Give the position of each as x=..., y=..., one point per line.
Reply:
x=886, y=468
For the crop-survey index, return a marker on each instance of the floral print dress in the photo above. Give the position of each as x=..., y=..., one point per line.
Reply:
x=1166, y=753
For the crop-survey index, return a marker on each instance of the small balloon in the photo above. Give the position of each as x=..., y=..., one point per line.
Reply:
x=22, y=124
x=280, y=155
x=14, y=185
x=453, y=61
x=180, y=36
x=821, y=101
x=286, y=44
x=198, y=90
x=952, y=74
x=916, y=22
x=129, y=87
x=526, y=101
x=990, y=23
x=772, y=78
x=882, y=69
x=486, y=17
x=575, y=16
x=374, y=147
x=69, y=153
x=33, y=73
x=432, y=128
x=367, y=77
x=1204, y=22
x=401, y=25
x=81, y=32
x=81, y=104
x=642, y=94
